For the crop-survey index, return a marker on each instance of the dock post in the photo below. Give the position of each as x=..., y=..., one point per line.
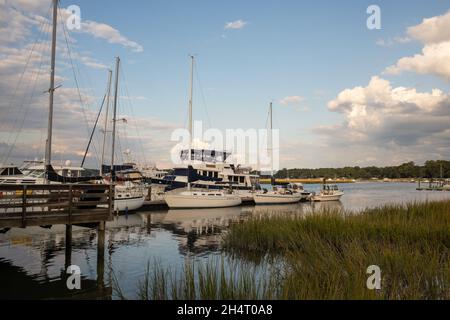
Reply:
x=100, y=254
x=149, y=223
x=68, y=255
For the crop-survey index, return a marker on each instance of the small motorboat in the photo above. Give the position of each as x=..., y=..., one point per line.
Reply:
x=298, y=188
x=201, y=198
x=328, y=193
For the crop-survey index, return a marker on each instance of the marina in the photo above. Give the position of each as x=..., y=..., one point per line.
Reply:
x=163, y=201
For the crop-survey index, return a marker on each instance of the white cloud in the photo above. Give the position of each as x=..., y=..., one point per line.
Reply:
x=291, y=100
x=393, y=41
x=238, y=24
x=434, y=59
x=23, y=113
x=384, y=116
x=432, y=30
x=110, y=34
x=434, y=33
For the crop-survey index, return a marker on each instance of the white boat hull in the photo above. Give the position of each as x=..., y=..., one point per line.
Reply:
x=327, y=197
x=182, y=201
x=128, y=204
x=269, y=198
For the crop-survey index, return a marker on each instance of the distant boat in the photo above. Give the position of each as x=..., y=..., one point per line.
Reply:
x=328, y=193
x=298, y=188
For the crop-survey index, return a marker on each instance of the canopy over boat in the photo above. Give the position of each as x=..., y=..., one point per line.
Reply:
x=203, y=155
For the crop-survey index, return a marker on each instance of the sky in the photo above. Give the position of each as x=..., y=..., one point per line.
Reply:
x=343, y=94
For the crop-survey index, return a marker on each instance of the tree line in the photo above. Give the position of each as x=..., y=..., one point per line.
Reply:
x=431, y=169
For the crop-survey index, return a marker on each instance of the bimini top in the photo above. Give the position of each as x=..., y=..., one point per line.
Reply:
x=204, y=155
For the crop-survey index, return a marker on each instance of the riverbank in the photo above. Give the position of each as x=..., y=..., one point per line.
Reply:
x=323, y=255
x=345, y=180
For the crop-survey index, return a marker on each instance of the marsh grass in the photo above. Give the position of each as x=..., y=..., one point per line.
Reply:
x=220, y=278
x=323, y=255
x=328, y=253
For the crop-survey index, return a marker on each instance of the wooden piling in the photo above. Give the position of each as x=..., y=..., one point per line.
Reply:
x=68, y=250
x=101, y=254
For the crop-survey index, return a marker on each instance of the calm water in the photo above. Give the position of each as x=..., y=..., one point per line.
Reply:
x=32, y=260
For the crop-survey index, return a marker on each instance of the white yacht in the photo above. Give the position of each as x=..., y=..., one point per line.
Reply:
x=328, y=193
x=35, y=173
x=152, y=172
x=200, y=198
x=209, y=169
x=128, y=197
x=277, y=196
x=129, y=189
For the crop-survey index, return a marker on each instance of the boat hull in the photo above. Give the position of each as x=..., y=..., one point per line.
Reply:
x=128, y=204
x=178, y=201
x=265, y=198
x=323, y=198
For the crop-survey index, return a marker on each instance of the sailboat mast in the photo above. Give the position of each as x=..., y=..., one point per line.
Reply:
x=191, y=94
x=51, y=90
x=270, y=139
x=106, y=120
x=114, y=119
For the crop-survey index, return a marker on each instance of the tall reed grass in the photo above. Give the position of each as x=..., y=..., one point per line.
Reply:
x=328, y=253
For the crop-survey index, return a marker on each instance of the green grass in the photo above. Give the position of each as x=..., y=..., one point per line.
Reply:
x=328, y=253
x=323, y=255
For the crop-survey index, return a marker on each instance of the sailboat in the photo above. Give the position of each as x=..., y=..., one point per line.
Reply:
x=198, y=197
x=277, y=195
x=129, y=189
x=128, y=195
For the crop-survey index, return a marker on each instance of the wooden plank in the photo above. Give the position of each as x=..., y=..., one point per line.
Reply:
x=54, y=204
x=62, y=187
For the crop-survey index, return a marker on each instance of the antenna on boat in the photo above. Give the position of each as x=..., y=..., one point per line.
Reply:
x=191, y=94
x=51, y=90
x=108, y=94
x=113, y=175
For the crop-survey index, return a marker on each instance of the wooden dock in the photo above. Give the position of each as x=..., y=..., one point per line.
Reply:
x=87, y=205
x=37, y=205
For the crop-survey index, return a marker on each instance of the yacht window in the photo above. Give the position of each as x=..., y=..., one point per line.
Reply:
x=241, y=179
x=216, y=174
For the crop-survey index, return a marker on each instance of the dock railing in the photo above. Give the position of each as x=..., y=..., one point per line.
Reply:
x=48, y=204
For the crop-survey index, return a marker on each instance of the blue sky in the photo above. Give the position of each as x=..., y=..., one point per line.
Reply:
x=310, y=49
